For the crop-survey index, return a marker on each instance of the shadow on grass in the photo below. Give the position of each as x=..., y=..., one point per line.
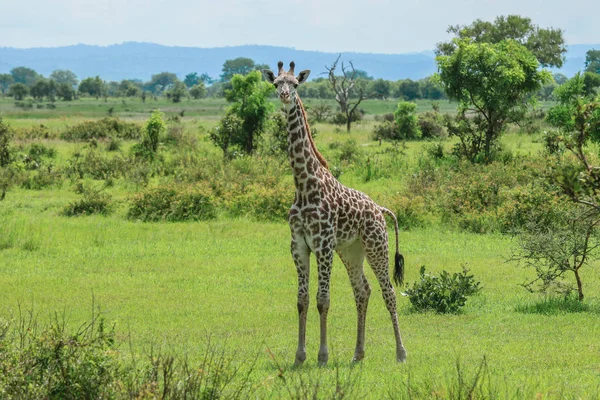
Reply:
x=558, y=306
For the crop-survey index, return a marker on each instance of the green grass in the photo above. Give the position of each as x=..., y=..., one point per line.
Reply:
x=172, y=285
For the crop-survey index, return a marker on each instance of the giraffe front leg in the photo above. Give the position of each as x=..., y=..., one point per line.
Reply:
x=301, y=255
x=324, y=261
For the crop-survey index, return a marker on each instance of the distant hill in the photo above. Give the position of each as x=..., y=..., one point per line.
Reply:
x=133, y=60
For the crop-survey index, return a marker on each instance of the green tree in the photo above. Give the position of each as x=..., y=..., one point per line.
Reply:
x=43, y=88
x=154, y=128
x=407, y=121
x=548, y=45
x=159, y=82
x=177, y=91
x=5, y=81
x=592, y=61
x=492, y=81
x=559, y=78
x=240, y=65
x=64, y=76
x=246, y=118
x=591, y=81
x=408, y=90
x=24, y=75
x=206, y=79
x=380, y=88
x=65, y=91
x=191, y=79
x=128, y=88
x=92, y=86
x=198, y=91
x=5, y=136
x=18, y=91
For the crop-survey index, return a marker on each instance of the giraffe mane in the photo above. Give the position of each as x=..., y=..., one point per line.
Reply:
x=320, y=157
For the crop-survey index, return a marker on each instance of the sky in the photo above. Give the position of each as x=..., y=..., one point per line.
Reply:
x=372, y=26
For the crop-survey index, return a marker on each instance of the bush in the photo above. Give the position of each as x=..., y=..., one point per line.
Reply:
x=5, y=137
x=266, y=203
x=444, y=294
x=407, y=120
x=104, y=128
x=173, y=203
x=431, y=124
x=93, y=202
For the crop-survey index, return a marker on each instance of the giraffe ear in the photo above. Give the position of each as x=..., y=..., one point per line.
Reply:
x=269, y=75
x=303, y=76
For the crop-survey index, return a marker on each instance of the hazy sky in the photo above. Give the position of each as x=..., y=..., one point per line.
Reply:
x=378, y=26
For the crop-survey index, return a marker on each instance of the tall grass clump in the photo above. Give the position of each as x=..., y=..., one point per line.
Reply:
x=103, y=128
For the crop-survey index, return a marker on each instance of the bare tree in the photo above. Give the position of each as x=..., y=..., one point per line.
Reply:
x=349, y=92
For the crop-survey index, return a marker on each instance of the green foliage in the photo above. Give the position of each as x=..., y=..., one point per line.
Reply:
x=5, y=137
x=407, y=121
x=158, y=82
x=176, y=92
x=54, y=364
x=237, y=66
x=548, y=45
x=173, y=203
x=94, y=201
x=64, y=76
x=18, y=91
x=557, y=246
x=5, y=81
x=103, y=128
x=94, y=87
x=153, y=129
x=493, y=81
x=246, y=118
x=24, y=75
x=443, y=294
x=198, y=91
x=592, y=61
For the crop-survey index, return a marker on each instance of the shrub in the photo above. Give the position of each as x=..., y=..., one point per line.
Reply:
x=431, y=125
x=104, y=128
x=173, y=203
x=267, y=203
x=93, y=202
x=5, y=137
x=410, y=211
x=444, y=294
x=407, y=121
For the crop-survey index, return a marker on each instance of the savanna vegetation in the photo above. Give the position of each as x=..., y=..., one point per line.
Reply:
x=144, y=250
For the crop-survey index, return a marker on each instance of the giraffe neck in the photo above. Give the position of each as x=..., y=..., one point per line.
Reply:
x=305, y=159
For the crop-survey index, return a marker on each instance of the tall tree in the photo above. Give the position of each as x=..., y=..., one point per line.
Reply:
x=24, y=75
x=491, y=81
x=592, y=61
x=160, y=81
x=64, y=76
x=18, y=91
x=548, y=45
x=5, y=81
x=240, y=65
x=191, y=79
x=245, y=120
x=92, y=86
x=408, y=90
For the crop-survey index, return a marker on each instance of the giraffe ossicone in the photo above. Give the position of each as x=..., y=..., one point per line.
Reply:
x=328, y=217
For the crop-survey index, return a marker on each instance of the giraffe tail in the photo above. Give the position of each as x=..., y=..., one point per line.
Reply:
x=398, y=258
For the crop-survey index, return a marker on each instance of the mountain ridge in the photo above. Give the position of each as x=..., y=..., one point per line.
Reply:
x=140, y=60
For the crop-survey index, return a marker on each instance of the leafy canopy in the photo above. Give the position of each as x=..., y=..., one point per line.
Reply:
x=548, y=45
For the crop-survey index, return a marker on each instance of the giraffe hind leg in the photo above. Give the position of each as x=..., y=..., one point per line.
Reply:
x=353, y=258
x=376, y=249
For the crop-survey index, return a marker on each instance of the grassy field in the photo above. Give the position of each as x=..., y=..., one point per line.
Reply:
x=172, y=286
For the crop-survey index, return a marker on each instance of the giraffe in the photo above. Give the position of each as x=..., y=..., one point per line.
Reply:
x=328, y=217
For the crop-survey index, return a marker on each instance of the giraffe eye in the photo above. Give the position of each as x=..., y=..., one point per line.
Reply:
x=275, y=85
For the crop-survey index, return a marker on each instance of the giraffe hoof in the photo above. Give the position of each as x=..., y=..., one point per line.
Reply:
x=358, y=357
x=323, y=358
x=300, y=357
x=401, y=355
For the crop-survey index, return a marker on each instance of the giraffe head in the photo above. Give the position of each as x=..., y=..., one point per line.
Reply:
x=286, y=82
